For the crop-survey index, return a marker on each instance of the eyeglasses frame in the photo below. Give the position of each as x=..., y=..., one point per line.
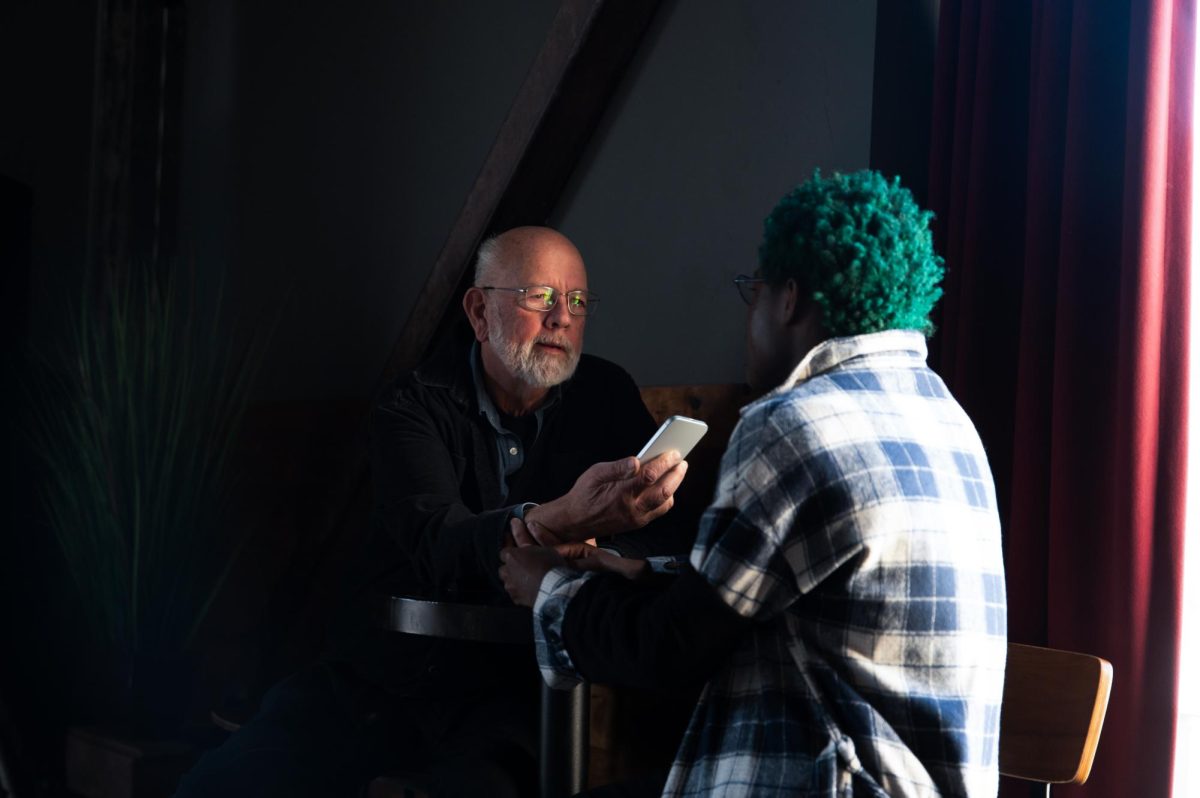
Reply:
x=742, y=281
x=588, y=295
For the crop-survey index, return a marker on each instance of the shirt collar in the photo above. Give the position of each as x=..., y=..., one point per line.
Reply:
x=484, y=400
x=903, y=345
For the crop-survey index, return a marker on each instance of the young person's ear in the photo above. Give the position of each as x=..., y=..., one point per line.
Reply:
x=474, y=304
x=793, y=304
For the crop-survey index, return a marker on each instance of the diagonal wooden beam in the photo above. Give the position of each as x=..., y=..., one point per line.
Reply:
x=587, y=50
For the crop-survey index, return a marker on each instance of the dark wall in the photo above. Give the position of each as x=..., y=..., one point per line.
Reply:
x=45, y=132
x=328, y=149
x=327, y=152
x=45, y=138
x=728, y=106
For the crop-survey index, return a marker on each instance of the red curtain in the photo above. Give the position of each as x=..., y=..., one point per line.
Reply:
x=1060, y=172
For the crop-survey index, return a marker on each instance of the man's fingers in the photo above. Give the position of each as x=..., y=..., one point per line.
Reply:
x=611, y=563
x=661, y=491
x=591, y=564
x=520, y=533
x=654, y=470
x=646, y=510
x=543, y=536
x=673, y=478
x=575, y=551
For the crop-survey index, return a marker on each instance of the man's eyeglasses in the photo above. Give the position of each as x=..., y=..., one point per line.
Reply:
x=747, y=286
x=543, y=298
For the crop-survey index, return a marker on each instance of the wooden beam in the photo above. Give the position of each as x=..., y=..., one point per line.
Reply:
x=581, y=63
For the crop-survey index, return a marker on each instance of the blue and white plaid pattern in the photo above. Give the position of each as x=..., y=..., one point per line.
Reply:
x=855, y=521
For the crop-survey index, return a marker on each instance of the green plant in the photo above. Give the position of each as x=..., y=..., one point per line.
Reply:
x=136, y=420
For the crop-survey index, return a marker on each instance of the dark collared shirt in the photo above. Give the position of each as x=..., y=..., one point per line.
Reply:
x=510, y=447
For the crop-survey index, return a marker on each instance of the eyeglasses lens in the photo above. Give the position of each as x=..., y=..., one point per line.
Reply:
x=543, y=298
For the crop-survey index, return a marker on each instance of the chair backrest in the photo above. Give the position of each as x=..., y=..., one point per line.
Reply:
x=1052, y=712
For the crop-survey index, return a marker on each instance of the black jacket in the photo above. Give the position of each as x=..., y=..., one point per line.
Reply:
x=438, y=517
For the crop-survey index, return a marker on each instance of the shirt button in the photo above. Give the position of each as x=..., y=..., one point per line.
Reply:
x=513, y=450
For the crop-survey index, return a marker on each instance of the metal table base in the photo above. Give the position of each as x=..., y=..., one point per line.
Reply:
x=563, y=728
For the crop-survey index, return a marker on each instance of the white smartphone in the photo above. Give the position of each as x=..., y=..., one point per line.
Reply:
x=677, y=432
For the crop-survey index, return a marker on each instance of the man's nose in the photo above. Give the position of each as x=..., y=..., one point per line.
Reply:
x=558, y=316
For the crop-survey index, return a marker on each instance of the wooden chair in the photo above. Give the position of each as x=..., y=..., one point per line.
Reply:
x=1051, y=715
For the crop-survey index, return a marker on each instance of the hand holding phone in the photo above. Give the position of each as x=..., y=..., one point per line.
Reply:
x=677, y=432
x=606, y=499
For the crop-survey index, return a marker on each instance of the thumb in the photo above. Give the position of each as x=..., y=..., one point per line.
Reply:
x=542, y=536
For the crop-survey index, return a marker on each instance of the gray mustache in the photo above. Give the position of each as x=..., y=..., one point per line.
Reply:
x=552, y=341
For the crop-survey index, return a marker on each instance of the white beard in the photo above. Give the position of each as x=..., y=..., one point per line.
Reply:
x=525, y=362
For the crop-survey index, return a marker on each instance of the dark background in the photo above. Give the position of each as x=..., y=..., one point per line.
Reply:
x=323, y=151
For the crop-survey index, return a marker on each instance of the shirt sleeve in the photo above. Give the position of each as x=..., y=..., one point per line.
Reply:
x=771, y=532
x=669, y=632
x=558, y=587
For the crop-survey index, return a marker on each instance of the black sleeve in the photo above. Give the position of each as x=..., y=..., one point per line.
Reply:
x=670, y=534
x=670, y=632
x=419, y=509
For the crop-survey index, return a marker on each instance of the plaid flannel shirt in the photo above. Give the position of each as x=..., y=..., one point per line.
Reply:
x=855, y=522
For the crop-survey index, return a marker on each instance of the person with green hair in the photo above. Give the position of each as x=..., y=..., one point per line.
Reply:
x=845, y=610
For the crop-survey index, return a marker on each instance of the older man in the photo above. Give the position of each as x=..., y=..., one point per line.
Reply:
x=847, y=609
x=516, y=423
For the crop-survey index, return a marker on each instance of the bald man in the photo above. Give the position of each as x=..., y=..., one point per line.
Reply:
x=510, y=421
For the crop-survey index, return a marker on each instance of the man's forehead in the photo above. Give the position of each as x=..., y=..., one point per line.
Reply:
x=553, y=266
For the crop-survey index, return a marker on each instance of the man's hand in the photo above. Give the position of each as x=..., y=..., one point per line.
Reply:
x=537, y=550
x=613, y=497
x=522, y=569
x=580, y=556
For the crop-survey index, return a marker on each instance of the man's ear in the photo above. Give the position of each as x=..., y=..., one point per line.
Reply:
x=474, y=304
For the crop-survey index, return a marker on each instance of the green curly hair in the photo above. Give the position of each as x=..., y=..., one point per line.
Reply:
x=860, y=247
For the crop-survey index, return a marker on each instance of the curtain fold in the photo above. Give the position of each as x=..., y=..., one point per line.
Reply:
x=1060, y=172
